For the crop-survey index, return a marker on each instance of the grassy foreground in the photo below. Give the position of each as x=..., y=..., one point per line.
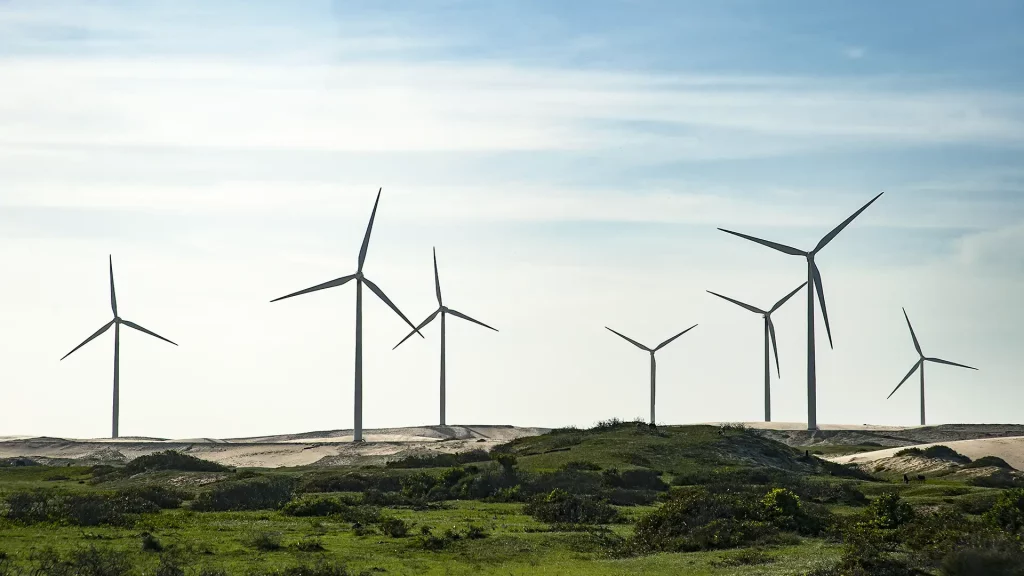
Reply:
x=617, y=499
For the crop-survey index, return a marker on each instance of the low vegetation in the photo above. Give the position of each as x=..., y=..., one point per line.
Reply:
x=622, y=497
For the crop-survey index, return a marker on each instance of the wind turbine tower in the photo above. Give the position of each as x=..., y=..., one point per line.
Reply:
x=769, y=333
x=920, y=365
x=654, y=365
x=116, y=323
x=360, y=278
x=443, y=311
x=813, y=279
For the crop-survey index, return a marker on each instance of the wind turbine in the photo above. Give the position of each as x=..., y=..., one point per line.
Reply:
x=654, y=365
x=116, y=323
x=920, y=364
x=769, y=332
x=813, y=279
x=443, y=311
x=360, y=280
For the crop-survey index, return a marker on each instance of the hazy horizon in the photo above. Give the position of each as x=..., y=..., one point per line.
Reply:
x=570, y=162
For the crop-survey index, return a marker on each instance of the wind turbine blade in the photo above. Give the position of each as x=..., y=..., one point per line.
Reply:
x=941, y=361
x=821, y=300
x=113, y=296
x=738, y=303
x=91, y=338
x=667, y=342
x=787, y=297
x=380, y=294
x=141, y=329
x=369, y=228
x=331, y=284
x=775, y=245
x=775, y=347
x=630, y=340
x=912, y=335
x=828, y=237
x=464, y=317
x=420, y=327
x=437, y=280
x=916, y=365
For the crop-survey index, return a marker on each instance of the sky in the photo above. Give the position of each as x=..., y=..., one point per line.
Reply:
x=570, y=161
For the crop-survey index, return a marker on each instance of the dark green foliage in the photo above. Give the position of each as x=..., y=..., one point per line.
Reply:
x=264, y=493
x=985, y=461
x=912, y=451
x=440, y=460
x=394, y=527
x=745, y=557
x=506, y=461
x=475, y=533
x=320, y=568
x=172, y=460
x=941, y=452
x=561, y=507
x=89, y=561
x=580, y=465
x=309, y=545
x=635, y=479
x=890, y=511
x=822, y=490
x=428, y=541
x=990, y=557
x=623, y=497
x=170, y=565
x=165, y=498
x=324, y=506
x=1008, y=511
x=348, y=482
x=151, y=543
x=76, y=509
x=977, y=503
x=263, y=541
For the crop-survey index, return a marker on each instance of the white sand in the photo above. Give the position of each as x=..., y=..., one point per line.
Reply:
x=1010, y=449
x=803, y=426
x=276, y=451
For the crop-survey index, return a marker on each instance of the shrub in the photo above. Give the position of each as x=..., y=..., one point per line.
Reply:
x=42, y=505
x=945, y=453
x=320, y=568
x=475, y=533
x=782, y=508
x=89, y=561
x=172, y=460
x=307, y=507
x=428, y=541
x=506, y=461
x=265, y=493
x=635, y=479
x=998, y=479
x=1008, y=511
x=151, y=543
x=561, y=507
x=977, y=503
x=890, y=511
x=581, y=465
x=170, y=565
x=348, y=482
x=986, y=461
x=165, y=498
x=310, y=545
x=440, y=460
x=623, y=497
x=394, y=527
x=263, y=541
x=1002, y=557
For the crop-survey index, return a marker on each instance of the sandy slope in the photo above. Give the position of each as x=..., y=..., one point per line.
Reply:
x=803, y=426
x=333, y=447
x=1010, y=449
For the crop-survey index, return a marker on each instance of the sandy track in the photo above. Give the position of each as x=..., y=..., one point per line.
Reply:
x=1010, y=449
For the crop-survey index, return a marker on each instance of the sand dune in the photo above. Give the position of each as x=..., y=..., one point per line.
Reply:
x=1010, y=449
x=803, y=426
x=324, y=448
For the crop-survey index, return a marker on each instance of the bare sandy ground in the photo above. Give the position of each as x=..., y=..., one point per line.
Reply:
x=803, y=426
x=325, y=448
x=1010, y=449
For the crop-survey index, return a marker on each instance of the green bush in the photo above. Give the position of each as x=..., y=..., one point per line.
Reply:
x=165, y=498
x=348, y=482
x=890, y=511
x=912, y=451
x=634, y=479
x=394, y=527
x=986, y=461
x=151, y=543
x=172, y=460
x=561, y=507
x=89, y=561
x=998, y=479
x=263, y=541
x=440, y=460
x=1008, y=511
x=581, y=465
x=310, y=545
x=76, y=509
x=941, y=452
x=993, y=557
x=307, y=507
x=265, y=493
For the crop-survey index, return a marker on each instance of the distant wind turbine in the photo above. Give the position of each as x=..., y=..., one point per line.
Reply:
x=813, y=279
x=360, y=280
x=116, y=323
x=443, y=311
x=769, y=332
x=920, y=365
x=654, y=366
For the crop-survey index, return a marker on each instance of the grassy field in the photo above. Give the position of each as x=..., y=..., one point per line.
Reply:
x=450, y=525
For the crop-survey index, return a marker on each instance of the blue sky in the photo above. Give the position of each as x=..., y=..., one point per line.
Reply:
x=571, y=161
